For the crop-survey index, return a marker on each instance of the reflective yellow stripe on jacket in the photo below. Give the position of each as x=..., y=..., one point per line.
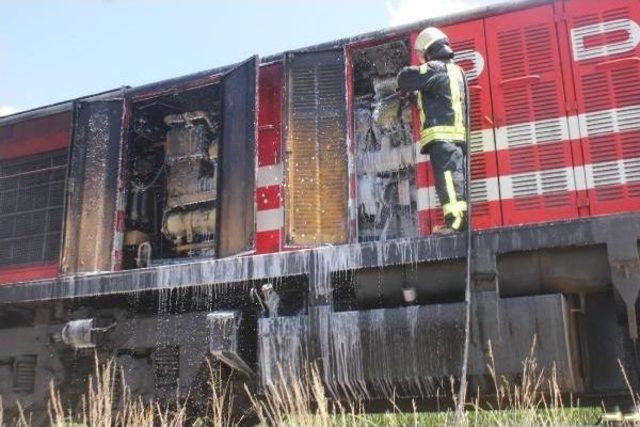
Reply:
x=455, y=207
x=455, y=132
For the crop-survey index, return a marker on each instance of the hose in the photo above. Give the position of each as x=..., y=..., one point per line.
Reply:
x=462, y=391
x=144, y=187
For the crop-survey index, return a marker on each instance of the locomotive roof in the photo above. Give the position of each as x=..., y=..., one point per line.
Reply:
x=471, y=14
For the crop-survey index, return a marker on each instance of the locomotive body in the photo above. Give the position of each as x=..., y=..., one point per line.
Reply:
x=276, y=212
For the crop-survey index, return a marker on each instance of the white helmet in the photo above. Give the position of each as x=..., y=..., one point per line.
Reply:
x=427, y=37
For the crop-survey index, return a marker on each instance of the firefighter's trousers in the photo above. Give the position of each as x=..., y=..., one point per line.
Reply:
x=447, y=161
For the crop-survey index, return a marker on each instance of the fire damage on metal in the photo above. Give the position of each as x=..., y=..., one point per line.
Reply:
x=385, y=159
x=274, y=215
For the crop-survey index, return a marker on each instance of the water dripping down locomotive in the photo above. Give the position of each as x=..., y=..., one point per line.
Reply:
x=281, y=207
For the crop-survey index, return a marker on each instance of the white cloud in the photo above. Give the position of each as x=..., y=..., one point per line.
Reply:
x=406, y=11
x=5, y=110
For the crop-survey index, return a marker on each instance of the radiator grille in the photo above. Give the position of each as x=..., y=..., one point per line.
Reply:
x=609, y=178
x=24, y=373
x=609, y=97
x=31, y=205
x=166, y=367
x=316, y=188
x=535, y=123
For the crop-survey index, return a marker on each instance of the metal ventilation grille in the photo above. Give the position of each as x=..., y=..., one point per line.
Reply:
x=511, y=51
x=608, y=128
x=535, y=119
x=479, y=190
x=166, y=367
x=608, y=178
x=317, y=186
x=609, y=93
x=31, y=205
x=24, y=373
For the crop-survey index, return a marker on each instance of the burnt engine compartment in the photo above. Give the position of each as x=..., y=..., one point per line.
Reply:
x=173, y=167
x=385, y=155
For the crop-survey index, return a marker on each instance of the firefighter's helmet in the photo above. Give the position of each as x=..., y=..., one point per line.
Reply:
x=428, y=37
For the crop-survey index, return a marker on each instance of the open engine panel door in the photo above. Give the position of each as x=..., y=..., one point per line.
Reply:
x=316, y=188
x=237, y=159
x=92, y=189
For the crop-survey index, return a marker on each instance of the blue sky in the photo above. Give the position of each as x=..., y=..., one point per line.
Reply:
x=53, y=50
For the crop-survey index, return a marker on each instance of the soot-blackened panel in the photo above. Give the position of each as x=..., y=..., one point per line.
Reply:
x=316, y=162
x=93, y=176
x=237, y=172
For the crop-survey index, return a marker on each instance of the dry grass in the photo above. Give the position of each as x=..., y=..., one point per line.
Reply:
x=535, y=400
x=108, y=402
x=221, y=408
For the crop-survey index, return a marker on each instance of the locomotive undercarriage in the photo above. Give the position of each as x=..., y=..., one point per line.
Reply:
x=375, y=318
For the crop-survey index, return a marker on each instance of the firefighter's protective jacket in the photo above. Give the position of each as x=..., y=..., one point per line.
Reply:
x=441, y=100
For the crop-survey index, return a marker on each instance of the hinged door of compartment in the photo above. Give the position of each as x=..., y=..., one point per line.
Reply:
x=237, y=174
x=468, y=42
x=605, y=42
x=535, y=163
x=316, y=149
x=92, y=189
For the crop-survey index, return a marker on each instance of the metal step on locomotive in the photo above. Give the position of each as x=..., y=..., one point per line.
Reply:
x=273, y=212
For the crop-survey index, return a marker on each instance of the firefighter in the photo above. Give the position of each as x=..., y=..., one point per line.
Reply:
x=440, y=88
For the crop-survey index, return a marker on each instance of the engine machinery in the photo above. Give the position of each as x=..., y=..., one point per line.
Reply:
x=385, y=154
x=191, y=156
x=189, y=163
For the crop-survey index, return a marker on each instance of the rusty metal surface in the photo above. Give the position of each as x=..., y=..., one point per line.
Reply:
x=93, y=174
x=237, y=160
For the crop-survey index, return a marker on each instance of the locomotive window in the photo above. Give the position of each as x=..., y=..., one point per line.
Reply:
x=31, y=205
